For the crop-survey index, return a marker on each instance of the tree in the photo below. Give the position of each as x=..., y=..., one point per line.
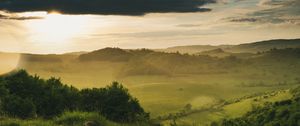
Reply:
x=120, y=106
x=188, y=107
x=18, y=107
x=3, y=90
x=26, y=96
x=92, y=99
x=114, y=102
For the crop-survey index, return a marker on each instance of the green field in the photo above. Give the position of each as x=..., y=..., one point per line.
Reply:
x=165, y=83
x=164, y=94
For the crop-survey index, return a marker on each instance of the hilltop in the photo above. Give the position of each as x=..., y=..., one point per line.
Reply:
x=266, y=45
x=252, y=47
x=191, y=49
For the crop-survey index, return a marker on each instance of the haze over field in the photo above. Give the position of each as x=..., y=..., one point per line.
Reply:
x=149, y=63
x=176, y=79
x=60, y=29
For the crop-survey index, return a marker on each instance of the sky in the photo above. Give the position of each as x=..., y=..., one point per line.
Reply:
x=85, y=25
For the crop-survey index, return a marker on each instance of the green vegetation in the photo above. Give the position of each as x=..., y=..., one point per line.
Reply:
x=216, y=82
x=281, y=113
x=233, y=108
x=68, y=119
x=29, y=97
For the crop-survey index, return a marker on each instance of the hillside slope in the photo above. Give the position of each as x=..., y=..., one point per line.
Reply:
x=266, y=45
x=280, y=113
x=241, y=48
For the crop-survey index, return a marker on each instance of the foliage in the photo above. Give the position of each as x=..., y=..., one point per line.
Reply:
x=75, y=118
x=216, y=77
x=15, y=106
x=27, y=96
x=116, y=103
x=79, y=118
x=282, y=113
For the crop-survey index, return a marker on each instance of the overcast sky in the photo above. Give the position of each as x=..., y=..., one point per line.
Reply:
x=85, y=25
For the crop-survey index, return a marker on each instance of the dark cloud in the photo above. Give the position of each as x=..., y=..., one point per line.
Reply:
x=105, y=7
x=244, y=20
x=7, y=17
x=285, y=12
x=189, y=25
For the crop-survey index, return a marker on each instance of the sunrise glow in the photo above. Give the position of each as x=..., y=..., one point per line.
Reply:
x=56, y=28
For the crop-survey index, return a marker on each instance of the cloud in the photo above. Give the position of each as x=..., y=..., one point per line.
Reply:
x=106, y=7
x=189, y=25
x=264, y=2
x=160, y=34
x=244, y=20
x=282, y=12
x=11, y=17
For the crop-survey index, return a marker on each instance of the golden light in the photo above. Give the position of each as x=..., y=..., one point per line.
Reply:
x=56, y=28
x=8, y=62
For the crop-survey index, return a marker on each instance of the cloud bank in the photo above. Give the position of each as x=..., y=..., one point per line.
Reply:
x=10, y=17
x=106, y=7
x=283, y=12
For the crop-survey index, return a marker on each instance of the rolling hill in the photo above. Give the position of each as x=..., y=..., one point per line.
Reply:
x=166, y=82
x=266, y=45
x=221, y=53
x=191, y=49
x=241, y=48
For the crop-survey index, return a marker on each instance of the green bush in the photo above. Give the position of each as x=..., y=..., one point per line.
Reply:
x=79, y=118
x=27, y=96
x=18, y=107
x=114, y=102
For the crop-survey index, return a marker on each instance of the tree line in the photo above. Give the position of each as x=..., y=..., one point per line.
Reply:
x=26, y=96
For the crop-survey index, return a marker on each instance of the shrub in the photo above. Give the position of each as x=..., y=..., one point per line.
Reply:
x=114, y=102
x=15, y=106
x=80, y=118
x=27, y=96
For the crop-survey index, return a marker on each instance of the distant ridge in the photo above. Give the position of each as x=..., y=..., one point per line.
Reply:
x=266, y=45
x=76, y=53
x=252, y=47
x=241, y=48
x=110, y=54
x=191, y=49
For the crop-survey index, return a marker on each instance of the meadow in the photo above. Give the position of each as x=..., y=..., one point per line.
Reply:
x=163, y=94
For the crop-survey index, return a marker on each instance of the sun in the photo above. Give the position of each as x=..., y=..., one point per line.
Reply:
x=56, y=28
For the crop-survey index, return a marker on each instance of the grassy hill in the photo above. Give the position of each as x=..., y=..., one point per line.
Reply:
x=106, y=54
x=221, y=53
x=191, y=49
x=282, y=112
x=217, y=61
x=166, y=82
x=241, y=48
x=268, y=108
x=266, y=45
x=176, y=79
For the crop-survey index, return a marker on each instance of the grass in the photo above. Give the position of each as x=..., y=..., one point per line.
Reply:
x=19, y=122
x=79, y=118
x=232, y=110
x=164, y=94
x=67, y=119
x=161, y=94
